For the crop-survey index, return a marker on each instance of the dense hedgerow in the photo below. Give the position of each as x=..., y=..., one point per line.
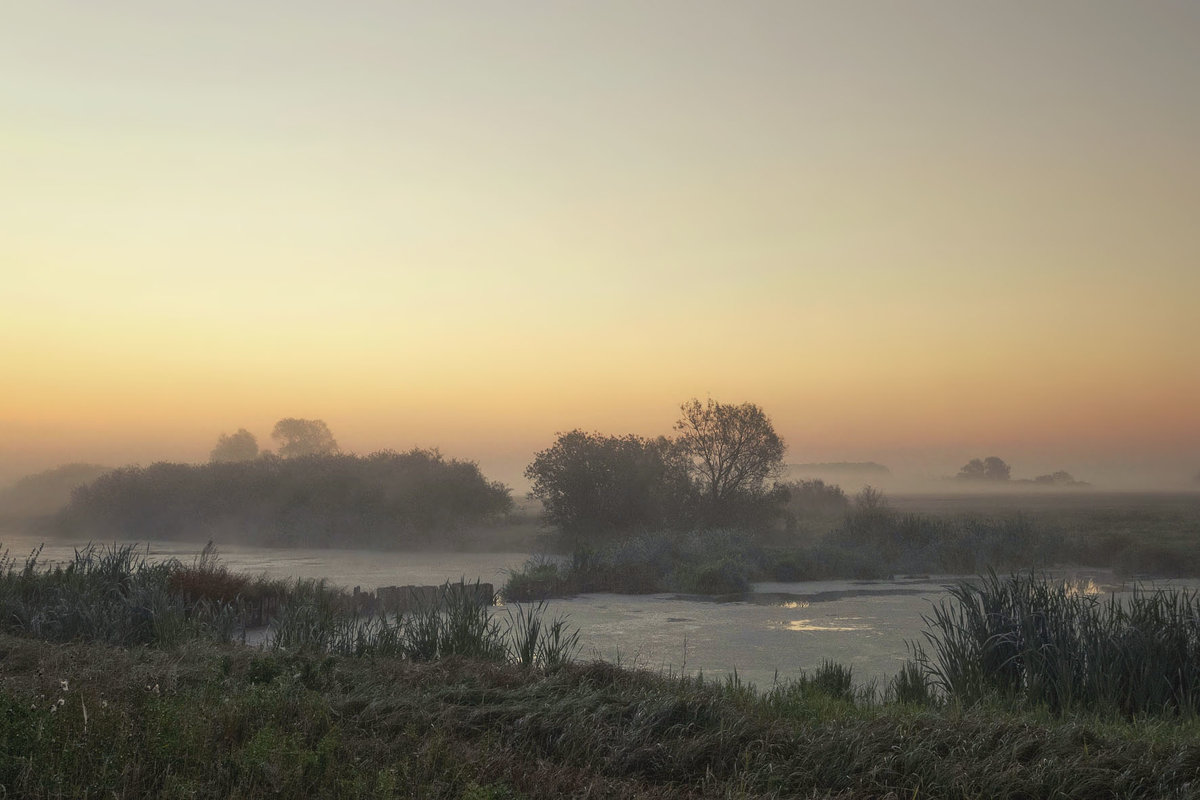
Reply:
x=385, y=499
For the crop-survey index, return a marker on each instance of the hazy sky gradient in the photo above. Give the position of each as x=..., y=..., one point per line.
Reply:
x=913, y=232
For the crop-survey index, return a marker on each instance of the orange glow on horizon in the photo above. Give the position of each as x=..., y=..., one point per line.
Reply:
x=445, y=227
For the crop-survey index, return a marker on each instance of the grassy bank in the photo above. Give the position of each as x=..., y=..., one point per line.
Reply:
x=203, y=720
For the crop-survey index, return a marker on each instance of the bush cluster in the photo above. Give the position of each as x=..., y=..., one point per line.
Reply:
x=385, y=499
x=702, y=562
x=871, y=542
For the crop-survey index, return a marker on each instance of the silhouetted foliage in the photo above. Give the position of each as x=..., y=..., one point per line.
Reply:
x=715, y=473
x=240, y=446
x=593, y=484
x=303, y=437
x=988, y=469
x=385, y=499
x=731, y=451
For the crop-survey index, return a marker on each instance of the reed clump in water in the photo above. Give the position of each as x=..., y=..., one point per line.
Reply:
x=455, y=624
x=1037, y=642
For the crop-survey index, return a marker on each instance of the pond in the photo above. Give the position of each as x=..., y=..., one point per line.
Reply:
x=774, y=632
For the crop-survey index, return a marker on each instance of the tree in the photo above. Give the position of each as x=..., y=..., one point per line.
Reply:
x=731, y=450
x=994, y=469
x=987, y=469
x=972, y=470
x=303, y=437
x=593, y=484
x=240, y=446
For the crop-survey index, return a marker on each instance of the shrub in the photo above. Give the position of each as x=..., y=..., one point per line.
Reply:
x=383, y=499
x=722, y=577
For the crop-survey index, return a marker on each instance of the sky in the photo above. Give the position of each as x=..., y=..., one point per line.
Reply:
x=914, y=233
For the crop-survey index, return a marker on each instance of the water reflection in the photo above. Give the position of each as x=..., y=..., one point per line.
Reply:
x=812, y=625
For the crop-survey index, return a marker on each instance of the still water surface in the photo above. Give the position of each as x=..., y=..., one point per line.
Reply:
x=774, y=633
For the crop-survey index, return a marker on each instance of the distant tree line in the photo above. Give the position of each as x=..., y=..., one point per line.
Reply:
x=996, y=470
x=385, y=499
x=296, y=437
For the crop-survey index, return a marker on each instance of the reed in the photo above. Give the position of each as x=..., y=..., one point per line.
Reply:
x=1037, y=642
x=108, y=594
x=314, y=621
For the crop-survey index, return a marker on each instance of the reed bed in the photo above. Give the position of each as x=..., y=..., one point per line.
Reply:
x=1037, y=642
x=109, y=594
x=454, y=625
x=117, y=595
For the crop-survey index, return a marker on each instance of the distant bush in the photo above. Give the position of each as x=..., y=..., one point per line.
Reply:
x=703, y=562
x=538, y=579
x=385, y=499
x=815, y=498
x=922, y=543
x=717, y=577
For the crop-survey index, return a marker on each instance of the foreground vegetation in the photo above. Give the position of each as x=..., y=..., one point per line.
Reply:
x=208, y=721
x=1040, y=644
x=153, y=697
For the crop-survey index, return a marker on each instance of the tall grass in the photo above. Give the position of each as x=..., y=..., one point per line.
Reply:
x=314, y=620
x=1042, y=643
x=118, y=596
x=108, y=594
x=235, y=722
x=535, y=643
